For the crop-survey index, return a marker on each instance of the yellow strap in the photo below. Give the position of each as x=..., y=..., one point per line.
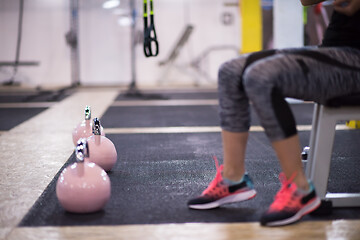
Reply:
x=251, y=18
x=145, y=8
x=151, y=10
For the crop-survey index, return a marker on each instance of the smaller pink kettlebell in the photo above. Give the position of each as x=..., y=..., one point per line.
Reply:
x=83, y=129
x=83, y=187
x=103, y=151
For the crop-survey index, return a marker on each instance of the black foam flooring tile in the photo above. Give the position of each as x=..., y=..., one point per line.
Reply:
x=169, y=116
x=167, y=96
x=160, y=116
x=11, y=117
x=345, y=162
x=45, y=96
x=156, y=174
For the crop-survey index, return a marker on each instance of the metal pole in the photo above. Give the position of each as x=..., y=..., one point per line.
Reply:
x=18, y=44
x=74, y=29
x=132, y=86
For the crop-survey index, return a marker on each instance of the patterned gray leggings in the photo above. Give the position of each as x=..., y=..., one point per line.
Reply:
x=266, y=78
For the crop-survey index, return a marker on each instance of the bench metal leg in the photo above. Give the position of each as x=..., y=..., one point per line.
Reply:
x=344, y=199
x=321, y=152
x=321, y=144
x=315, y=120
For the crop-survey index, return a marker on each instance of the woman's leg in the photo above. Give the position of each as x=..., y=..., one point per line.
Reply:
x=235, y=117
x=316, y=75
x=309, y=74
x=288, y=152
x=230, y=183
x=234, y=147
x=235, y=113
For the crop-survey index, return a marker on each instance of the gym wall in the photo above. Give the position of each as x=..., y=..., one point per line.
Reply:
x=44, y=26
x=104, y=45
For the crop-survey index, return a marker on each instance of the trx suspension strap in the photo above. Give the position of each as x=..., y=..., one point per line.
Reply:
x=151, y=45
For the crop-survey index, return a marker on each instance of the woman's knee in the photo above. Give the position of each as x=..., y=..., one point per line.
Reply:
x=254, y=81
x=230, y=72
x=261, y=75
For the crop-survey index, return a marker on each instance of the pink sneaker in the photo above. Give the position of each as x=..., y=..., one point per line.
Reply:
x=219, y=193
x=290, y=204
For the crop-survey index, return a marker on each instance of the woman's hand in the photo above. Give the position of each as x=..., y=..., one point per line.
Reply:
x=310, y=2
x=347, y=7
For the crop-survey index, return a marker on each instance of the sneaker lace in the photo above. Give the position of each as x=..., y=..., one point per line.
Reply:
x=284, y=197
x=218, y=177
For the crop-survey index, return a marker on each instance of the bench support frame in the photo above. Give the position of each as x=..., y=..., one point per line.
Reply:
x=321, y=145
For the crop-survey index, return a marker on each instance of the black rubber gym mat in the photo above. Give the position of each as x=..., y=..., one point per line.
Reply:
x=160, y=116
x=157, y=173
x=34, y=96
x=170, y=116
x=146, y=95
x=11, y=117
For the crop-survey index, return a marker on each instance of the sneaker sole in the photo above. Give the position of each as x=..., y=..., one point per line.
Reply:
x=305, y=210
x=229, y=199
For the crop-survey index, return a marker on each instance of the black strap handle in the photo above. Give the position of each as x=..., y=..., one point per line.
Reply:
x=151, y=45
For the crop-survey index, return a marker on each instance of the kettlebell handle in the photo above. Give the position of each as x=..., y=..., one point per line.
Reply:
x=96, y=127
x=82, y=150
x=87, y=113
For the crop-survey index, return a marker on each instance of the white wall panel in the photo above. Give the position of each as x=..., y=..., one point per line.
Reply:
x=44, y=28
x=288, y=24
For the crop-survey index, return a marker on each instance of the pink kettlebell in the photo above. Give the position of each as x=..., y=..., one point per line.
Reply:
x=83, y=187
x=83, y=129
x=103, y=151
